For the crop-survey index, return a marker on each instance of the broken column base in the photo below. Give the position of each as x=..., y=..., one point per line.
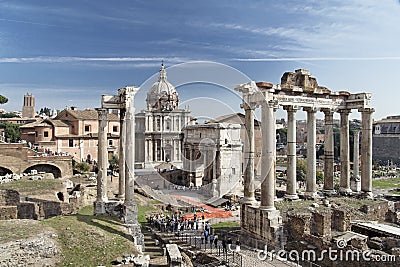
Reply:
x=311, y=195
x=345, y=191
x=262, y=224
x=367, y=195
x=130, y=214
x=291, y=197
x=137, y=236
x=249, y=201
x=99, y=207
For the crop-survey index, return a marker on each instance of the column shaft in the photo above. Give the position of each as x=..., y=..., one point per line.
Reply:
x=122, y=133
x=102, y=162
x=249, y=156
x=268, y=156
x=328, y=151
x=356, y=154
x=130, y=205
x=311, y=183
x=366, y=152
x=291, y=153
x=344, y=152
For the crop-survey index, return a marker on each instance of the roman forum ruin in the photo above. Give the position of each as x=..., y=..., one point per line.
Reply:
x=297, y=90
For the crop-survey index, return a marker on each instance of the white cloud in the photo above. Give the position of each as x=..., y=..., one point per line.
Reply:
x=45, y=59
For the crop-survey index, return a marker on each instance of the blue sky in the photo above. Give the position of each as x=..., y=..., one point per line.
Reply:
x=70, y=52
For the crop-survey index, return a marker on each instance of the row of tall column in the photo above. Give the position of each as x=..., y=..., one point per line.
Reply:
x=268, y=160
x=126, y=156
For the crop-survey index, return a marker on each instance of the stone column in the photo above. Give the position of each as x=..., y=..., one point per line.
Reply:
x=328, y=152
x=249, y=156
x=268, y=155
x=344, y=151
x=102, y=163
x=151, y=151
x=366, y=151
x=122, y=136
x=291, y=153
x=311, y=183
x=130, y=208
x=146, y=149
x=155, y=150
x=356, y=155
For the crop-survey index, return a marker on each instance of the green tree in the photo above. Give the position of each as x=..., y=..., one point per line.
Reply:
x=81, y=167
x=3, y=99
x=301, y=169
x=320, y=177
x=45, y=111
x=114, y=163
x=8, y=115
x=282, y=134
x=11, y=132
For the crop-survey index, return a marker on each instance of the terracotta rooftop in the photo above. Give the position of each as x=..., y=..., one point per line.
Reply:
x=88, y=114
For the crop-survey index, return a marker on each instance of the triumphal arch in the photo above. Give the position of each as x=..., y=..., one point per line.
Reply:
x=299, y=90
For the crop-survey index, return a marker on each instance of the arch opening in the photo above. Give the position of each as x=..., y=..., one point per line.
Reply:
x=4, y=171
x=45, y=168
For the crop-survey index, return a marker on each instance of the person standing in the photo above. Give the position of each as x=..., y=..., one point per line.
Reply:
x=224, y=245
x=237, y=245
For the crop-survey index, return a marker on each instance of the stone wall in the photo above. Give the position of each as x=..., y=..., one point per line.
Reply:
x=341, y=218
x=29, y=210
x=386, y=147
x=376, y=211
x=298, y=225
x=321, y=224
x=49, y=209
x=8, y=212
x=9, y=197
x=261, y=223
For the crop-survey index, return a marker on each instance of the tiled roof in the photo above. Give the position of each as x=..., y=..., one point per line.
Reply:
x=40, y=123
x=89, y=114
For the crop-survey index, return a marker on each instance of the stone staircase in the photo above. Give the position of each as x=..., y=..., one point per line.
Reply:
x=155, y=252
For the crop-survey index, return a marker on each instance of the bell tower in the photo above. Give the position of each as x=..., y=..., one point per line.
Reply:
x=28, y=108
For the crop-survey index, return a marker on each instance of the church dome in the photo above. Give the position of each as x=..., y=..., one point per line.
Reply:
x=162, y=95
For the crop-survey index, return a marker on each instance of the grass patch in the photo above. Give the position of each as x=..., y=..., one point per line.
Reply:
x=386, y=183
x=88, y=240
x=221, y=225
x=143, y=211
x=31, y=188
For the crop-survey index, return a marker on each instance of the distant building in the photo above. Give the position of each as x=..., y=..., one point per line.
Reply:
x=214, y=153
x=238, y=118
x=159, y=136
x=72, y=131
x=386, y=139
x=28, y=108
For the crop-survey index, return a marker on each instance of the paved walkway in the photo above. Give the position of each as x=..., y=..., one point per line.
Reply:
x=247, y=257
x=212, y=212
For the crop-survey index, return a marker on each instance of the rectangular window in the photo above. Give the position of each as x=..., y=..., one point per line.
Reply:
x=233, y=171
x=46, y=134
x=110, y=142
x=70, y=142
x=36, y=134
x=115, y=129
x=87, y=128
